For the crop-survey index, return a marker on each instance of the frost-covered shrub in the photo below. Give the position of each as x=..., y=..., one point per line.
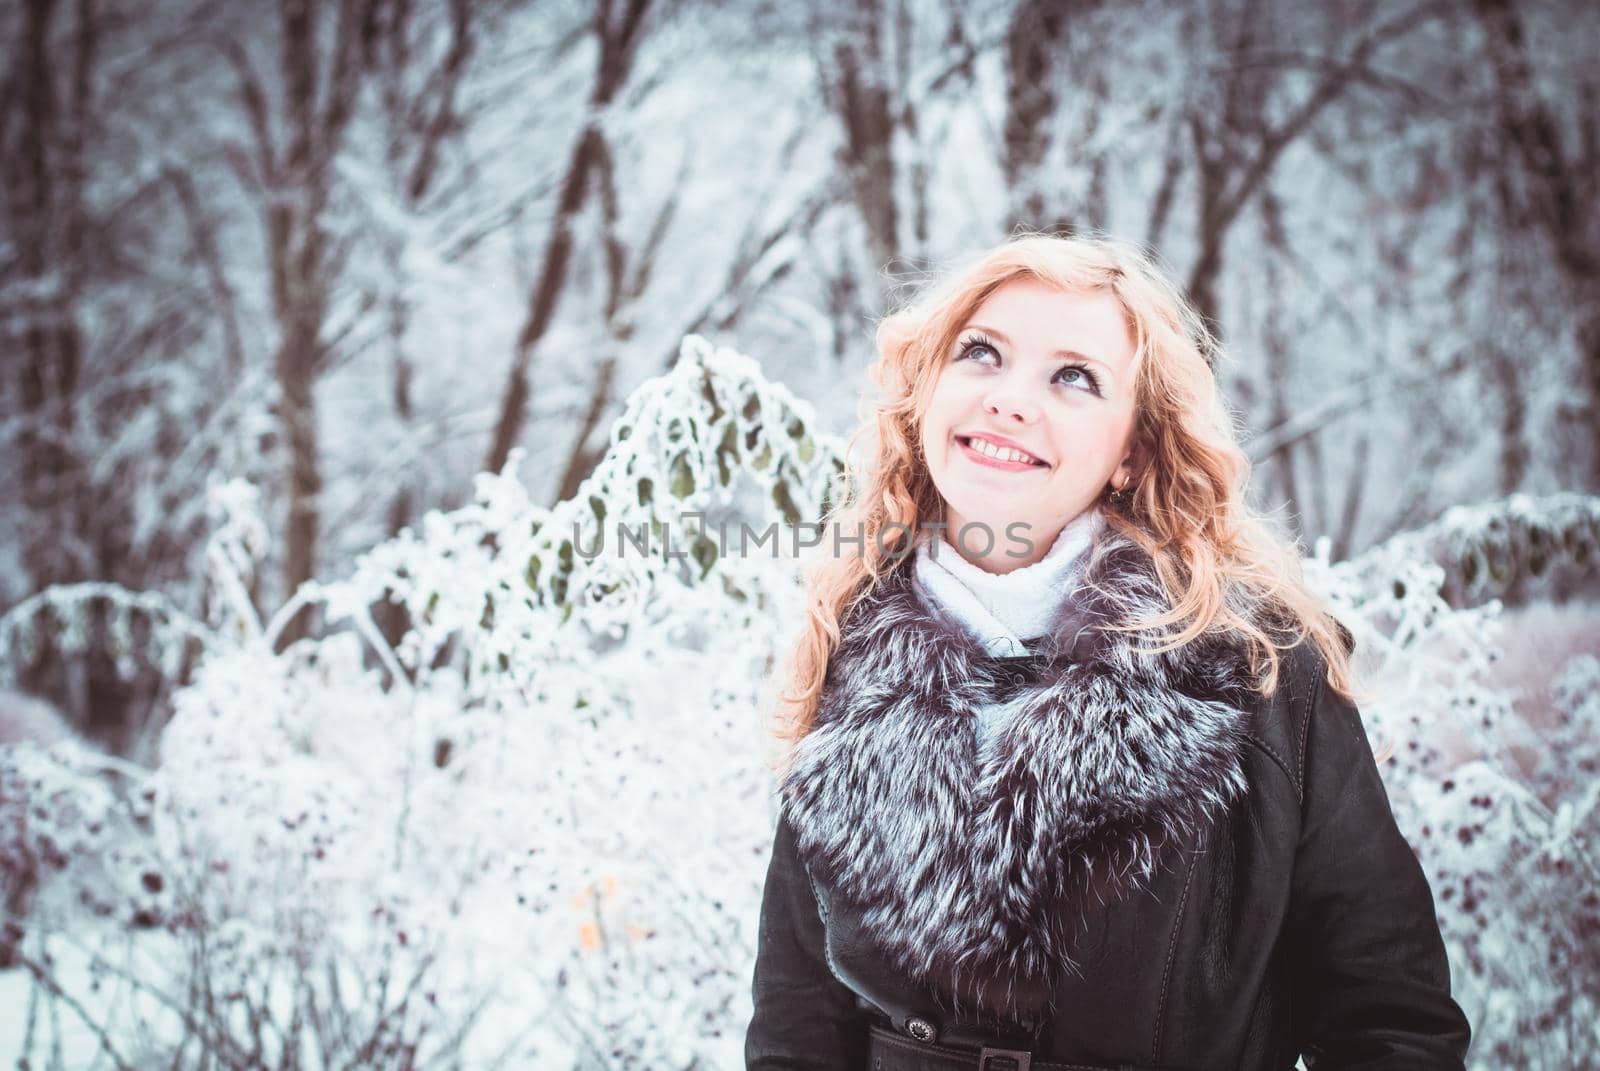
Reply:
x=549, y=800
x=71, y=825
x=1492, y=781
x=56, y=823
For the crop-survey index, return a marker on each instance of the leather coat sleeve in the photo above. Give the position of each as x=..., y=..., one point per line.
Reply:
x=805, y=1019
x=1371, y=982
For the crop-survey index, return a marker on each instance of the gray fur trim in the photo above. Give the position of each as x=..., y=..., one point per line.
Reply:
x=974, y=869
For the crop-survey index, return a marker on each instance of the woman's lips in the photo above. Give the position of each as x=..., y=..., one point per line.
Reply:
x=994, y=462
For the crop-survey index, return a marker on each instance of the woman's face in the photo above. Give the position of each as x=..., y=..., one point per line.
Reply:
x=1045, y=371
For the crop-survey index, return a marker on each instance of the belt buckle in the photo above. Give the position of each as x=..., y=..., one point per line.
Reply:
x=1004, y=1060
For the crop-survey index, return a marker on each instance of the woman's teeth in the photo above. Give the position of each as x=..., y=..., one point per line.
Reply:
x=1000, y=453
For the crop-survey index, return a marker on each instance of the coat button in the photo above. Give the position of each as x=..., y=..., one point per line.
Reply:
x=920, y=1029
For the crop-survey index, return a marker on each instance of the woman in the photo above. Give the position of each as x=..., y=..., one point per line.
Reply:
x=1076, y=779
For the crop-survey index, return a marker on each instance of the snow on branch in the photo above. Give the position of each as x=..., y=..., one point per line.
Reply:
x=1486, y=548
x=709, y=443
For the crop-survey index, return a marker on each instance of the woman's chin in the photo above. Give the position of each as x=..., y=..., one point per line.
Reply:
x=980, y=525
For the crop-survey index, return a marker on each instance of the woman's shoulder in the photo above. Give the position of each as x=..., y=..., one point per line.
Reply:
x=1279, y=725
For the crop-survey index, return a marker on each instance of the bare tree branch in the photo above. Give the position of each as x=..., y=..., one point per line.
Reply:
x=203, y=236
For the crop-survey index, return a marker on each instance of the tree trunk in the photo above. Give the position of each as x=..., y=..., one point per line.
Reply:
x=619, y=40
x=1562, y=193
x=298, y=355
x=302, y=267
x=857, y=82
x=1035, y=37
x=543, y=299
x=584, y=456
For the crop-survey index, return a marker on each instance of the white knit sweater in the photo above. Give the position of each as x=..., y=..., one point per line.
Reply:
x=1001, y=610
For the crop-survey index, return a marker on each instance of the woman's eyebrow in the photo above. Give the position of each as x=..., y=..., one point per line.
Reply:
x=1071, y=355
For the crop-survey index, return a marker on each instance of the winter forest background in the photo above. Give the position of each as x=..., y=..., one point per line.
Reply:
x=326, y=326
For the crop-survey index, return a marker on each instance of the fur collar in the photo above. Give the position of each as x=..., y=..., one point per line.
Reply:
x=973, y=866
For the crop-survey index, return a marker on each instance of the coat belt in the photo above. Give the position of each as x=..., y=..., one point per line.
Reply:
x=885, y=1048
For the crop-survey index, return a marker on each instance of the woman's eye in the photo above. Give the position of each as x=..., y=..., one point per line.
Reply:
x=975, y=346
x=1078, y=376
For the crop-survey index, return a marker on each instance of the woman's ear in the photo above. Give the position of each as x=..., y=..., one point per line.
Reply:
x=1133, y=465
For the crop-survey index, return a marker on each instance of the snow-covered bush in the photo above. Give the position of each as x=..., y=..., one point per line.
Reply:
x=1492, y=779
x=544, y=808
x=532, y=833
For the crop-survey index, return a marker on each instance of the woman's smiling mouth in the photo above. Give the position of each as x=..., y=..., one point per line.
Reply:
x=983, y=451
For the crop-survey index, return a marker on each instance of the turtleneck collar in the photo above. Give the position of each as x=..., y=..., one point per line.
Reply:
x=1002, y=610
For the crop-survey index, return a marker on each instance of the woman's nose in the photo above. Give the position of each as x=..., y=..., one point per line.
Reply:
x=1011, y=401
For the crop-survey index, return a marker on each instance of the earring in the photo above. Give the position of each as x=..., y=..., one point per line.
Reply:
x=1120, y=497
